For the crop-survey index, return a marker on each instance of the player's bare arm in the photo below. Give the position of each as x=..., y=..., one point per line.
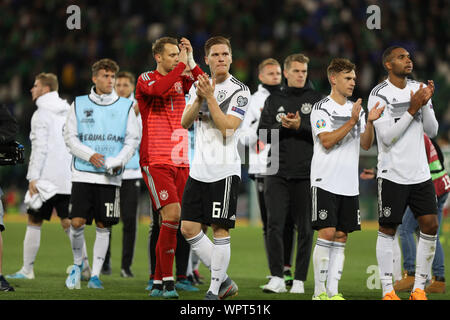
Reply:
x=227, y=124
x=329, y=139
x=368, y=136
x=190, y=113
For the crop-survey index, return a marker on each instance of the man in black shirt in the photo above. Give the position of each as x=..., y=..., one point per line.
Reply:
x=287, y=192
x=8, y=131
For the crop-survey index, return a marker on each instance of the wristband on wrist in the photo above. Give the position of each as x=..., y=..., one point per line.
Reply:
x=191, y=61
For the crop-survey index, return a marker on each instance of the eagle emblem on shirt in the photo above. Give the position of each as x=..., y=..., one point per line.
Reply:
x=221, y=96
x=163, y=194
x=178, y=87
x=306, y=108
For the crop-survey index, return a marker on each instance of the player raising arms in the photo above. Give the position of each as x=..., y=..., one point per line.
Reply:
x=339, y=129
x=161, y=99
x=403, y=174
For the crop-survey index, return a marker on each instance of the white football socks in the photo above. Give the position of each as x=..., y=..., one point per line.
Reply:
x=321, y=259
x=220, y=260
x=202, y=246
x=100, y=247
x=335, y=267
x=384, y=253
x=424, y=259
x=84, y=251
x=397, y=258
x=31, y=244
x=77, y=241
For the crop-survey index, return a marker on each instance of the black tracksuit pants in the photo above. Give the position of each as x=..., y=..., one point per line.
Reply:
x=289, y=227
x=129, y=195
x=285, y=197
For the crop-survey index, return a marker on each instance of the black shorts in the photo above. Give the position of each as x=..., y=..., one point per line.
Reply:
x=211, y=203
x=60, y=202
x=393, y=198
x=334, y=210
x=95, y=201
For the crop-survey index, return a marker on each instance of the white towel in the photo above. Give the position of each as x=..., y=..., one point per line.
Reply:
x=46, y=190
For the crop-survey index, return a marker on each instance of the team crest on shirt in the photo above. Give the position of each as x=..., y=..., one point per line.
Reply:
x=163, y=195
x=323, y=214
x=321, y=124
x=281, y=112
x=221, y=96
x=178, y=87
x=386, y=211
x=306, y=108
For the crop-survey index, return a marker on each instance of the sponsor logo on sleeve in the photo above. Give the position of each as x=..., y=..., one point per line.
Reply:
x=240, y=111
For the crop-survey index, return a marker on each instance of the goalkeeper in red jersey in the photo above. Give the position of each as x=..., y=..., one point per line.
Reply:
x=164, y=147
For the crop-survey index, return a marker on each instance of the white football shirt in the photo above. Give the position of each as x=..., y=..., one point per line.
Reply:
x=336, y=170
x=403, y=160
x=215, y=157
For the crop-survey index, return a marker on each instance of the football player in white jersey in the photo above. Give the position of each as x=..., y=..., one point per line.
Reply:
x=403, y=174
x=339, y=129
x=210, y=195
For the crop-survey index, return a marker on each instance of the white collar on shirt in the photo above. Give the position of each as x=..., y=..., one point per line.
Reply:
x=103, y=99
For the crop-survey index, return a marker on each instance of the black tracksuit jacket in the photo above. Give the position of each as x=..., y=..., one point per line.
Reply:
x=295, y=146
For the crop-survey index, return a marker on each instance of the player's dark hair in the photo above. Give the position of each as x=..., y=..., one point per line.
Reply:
x=216, y=40
x=105, y=64
x=387, y=54
x=158, y=45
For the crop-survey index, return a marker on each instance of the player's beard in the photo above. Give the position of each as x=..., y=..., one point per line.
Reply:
x=403, y=73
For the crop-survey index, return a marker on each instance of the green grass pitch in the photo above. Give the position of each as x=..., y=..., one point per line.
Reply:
x=248, y=267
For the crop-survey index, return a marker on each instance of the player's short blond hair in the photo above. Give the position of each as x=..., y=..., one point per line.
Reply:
x=216, y=40
x=298, y=57
x=268, y=62
x=48, y=80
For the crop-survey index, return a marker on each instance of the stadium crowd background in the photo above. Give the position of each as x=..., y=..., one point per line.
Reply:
x=34, y=38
